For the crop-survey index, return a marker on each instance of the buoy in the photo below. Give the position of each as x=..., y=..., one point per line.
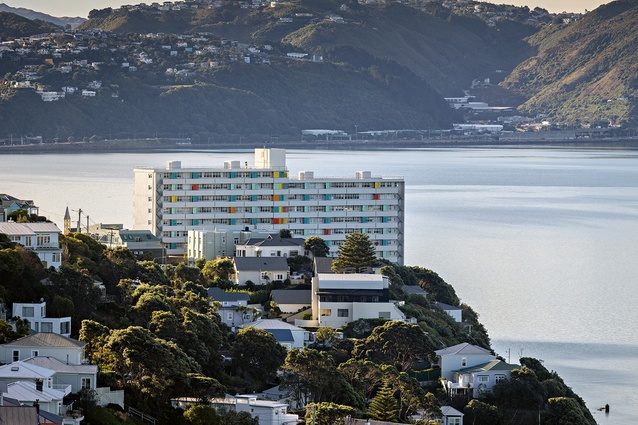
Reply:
x=606, y=408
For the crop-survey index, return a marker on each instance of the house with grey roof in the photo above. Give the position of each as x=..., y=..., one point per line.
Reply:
x=65, y=349
x=41, y=238
x=234, y=310
x=292, y=300
x=479, y=379
x=78, y=376
x=287, y=335
x=461, y=356
x=260, y=270
x=10, y=204
x=454, y=311
x=272, y=246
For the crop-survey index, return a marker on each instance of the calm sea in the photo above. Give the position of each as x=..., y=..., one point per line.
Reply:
x=541, y=242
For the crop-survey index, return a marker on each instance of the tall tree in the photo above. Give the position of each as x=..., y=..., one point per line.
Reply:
x=357, y=254
x=258, y=356
x=395, y=343
x=383, y=406
x=317, y=246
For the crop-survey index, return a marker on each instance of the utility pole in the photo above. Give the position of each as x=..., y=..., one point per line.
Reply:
x=79, y=220
x=87, y=225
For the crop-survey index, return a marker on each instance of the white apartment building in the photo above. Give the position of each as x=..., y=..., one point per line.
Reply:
x=36, y=314
x=173, y=200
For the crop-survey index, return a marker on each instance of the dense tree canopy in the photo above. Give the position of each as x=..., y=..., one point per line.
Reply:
x=356, y=255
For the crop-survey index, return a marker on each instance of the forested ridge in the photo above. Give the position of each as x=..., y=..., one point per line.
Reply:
x=160, y=338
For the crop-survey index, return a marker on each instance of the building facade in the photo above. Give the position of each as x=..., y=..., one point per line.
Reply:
x=173, y=200
x=41, y=237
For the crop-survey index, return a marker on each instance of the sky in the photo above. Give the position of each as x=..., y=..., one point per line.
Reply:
x=82, y=7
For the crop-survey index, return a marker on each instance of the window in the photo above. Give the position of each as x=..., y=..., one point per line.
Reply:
x=499, y=378
x=86, y=383
x=384, y=315
x=229, y=315
x=454, y=421
x=46, y=327
x=342, y=312
x=483, y=378
x=464, y=361
x=27, y=311
x=326, y=312
x=65, y=327
x=35, y=353
x=16, y=355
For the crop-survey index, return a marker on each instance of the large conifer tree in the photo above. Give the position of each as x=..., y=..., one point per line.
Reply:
x=357, y=254
x=383, y=406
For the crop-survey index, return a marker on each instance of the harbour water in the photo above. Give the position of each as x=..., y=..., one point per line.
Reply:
x=541, y=242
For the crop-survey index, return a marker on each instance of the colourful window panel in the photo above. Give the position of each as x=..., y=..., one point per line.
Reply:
x=233, y=221
x=326, y=231
x=375, y=196
x=364, y=219
x=327, y=196
x=195, y=222
x=254, y=221
x=232, y=198
x=253, y=174
x=253, y=198
x=306, y=197
x=377, y=185
x=232, y=210
x=306, y=220
x=327, y=220
x=195, y=187
x=275, y=197
x=233, y=174
x=195, y=198
x=173, y=198
x=195, y=175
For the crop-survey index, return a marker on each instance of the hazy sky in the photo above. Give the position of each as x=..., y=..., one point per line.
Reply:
x=82, y=7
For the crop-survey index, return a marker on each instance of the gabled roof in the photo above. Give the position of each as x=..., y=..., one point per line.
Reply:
x=61, y=367
x=450, y=411
x=323, y=265
x=414, y=289
x=12, y=228
x=270, y=324
x=46, y=339
x=462, y=349
x=446, y=307
x=21, y=370
x=261, y=264
x=282, y=335
x=26, y=392
x=275, y=240
x=493, y=365
x=291, y=296
x=219, y=294
x=19, y=415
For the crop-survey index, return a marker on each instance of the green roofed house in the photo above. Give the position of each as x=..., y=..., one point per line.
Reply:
x=479, y=379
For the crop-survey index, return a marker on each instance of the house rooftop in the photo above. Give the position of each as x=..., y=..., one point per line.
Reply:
x=291, y=296
x=352, y=280
x=446, y=307
x=261, y=263
x=60, y=367
x=414, y=289
x=493, y=365
x=219, y=294
x=323, y=265
x=463, y=348
x=46, y=339
x=275, y=240
x=270, y=324
x=19, y=415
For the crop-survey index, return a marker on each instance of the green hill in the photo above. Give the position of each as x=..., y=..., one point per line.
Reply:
x=585, y=71
x=15, y=26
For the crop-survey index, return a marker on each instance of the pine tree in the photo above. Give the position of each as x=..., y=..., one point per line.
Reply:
x=357, y=254
x=383, y=406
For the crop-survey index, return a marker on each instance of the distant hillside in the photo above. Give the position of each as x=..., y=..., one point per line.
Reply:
x=241, y=99
x=12, y=26
x=585, y=71
x=448, y=51
x=33, y=15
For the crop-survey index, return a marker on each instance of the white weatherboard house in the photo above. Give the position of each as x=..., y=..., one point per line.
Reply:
x=338, y=299
x=259, y=270
x=67, y=350
x=461, y=356
x=174, y=200
x=41, y=238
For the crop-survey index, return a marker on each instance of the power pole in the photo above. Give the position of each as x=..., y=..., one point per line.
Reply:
x=79, y=220
x=87, y=225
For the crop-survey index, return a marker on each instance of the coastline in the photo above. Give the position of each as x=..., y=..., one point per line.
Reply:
x=159, y=145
